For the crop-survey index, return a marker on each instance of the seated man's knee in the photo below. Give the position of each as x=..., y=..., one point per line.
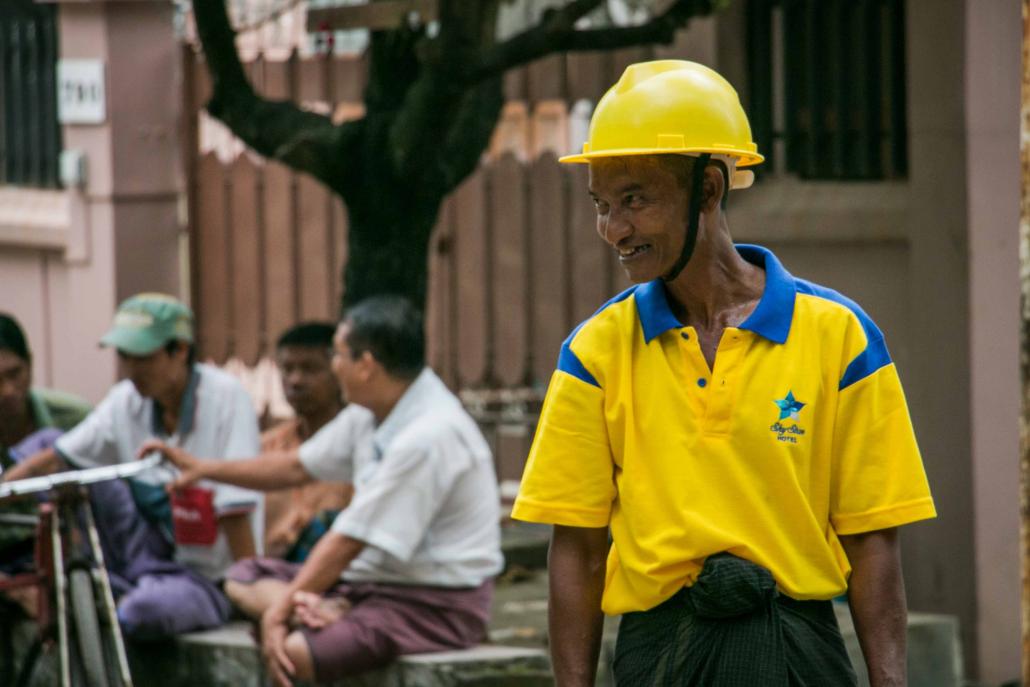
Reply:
x=144, y=617
x=357, y=649
x=299, y=653
x=169, y=607
x=237, y=592
x=241, y=595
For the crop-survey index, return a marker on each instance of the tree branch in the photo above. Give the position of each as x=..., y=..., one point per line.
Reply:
x=434, y=99
x=277, y=129
x=556, y=33
x=470, y=133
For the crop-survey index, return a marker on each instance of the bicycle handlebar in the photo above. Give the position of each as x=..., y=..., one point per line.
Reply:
x=35, y=485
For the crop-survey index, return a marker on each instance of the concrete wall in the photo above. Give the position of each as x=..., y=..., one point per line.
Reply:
x=68, y=257
x=992, y=106
x=940, y=554
x=933, y=258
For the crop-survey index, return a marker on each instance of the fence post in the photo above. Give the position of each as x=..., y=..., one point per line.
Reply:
x=1024, y=355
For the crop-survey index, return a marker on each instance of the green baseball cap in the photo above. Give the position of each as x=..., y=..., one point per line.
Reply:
x=147, y=321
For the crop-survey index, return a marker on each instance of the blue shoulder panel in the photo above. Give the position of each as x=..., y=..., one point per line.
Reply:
x=875, y=355
x=569, y=362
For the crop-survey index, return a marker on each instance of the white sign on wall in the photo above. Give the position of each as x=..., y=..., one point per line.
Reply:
x=81, y=96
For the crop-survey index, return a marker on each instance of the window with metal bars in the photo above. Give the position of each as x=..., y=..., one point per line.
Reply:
x=30, y=138
x=826, y=83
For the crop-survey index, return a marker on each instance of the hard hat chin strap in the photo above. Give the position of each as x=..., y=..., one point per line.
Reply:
x=694, y=211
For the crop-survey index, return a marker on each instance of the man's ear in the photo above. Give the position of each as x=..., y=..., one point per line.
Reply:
x=368, y=364
x=713, y=188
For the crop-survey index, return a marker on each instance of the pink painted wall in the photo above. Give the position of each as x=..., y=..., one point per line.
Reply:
x=122, y=234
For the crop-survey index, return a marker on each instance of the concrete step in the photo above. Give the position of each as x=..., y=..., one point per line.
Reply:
x=229, y=657
x=516, y=656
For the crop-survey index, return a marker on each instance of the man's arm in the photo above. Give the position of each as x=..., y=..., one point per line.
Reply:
x=876, y=594
x=575, y=565
x=331, y=555
x=239, y=535
x=45, y=462
x=326, y=562
x=267, y=472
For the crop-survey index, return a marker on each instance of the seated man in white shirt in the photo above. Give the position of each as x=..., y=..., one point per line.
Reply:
x=408, y=566
x=165, y=557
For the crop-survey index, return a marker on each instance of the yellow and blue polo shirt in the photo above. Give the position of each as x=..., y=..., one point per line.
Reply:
x=799, y=435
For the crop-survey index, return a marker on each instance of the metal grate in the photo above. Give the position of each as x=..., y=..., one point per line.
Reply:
x=827, y=86
x=29, y=134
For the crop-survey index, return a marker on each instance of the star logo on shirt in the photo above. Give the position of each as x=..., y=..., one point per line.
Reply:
x=789, y=406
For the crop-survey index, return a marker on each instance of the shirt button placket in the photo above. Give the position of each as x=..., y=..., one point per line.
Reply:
x=721, y=400
x=694, y=379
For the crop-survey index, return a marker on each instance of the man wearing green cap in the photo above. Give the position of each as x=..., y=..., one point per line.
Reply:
x=740, y=434
x=165, y=555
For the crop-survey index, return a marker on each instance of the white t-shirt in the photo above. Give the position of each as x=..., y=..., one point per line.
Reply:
x=425, y=498
x=217, y=421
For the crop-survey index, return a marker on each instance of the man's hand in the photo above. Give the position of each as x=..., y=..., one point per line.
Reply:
x=317, y=611
x=331, y=555
x=191, y=468
x=274, y=629
x=45, y=462
x=279, y=539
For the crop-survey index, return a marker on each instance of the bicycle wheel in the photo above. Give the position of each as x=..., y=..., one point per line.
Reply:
x=28, y=664
x=87, y=628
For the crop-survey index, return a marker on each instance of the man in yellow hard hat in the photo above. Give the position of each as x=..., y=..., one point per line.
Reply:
x=724, y=448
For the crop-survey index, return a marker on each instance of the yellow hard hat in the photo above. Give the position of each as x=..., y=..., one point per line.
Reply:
x=672, y=107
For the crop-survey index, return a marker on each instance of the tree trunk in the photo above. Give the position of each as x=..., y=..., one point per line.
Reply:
x=388, y=247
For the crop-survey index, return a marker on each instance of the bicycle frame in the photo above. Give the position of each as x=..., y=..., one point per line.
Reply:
x=56, y=538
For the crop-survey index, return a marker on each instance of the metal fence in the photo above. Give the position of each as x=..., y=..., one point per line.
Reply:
x=30, y=139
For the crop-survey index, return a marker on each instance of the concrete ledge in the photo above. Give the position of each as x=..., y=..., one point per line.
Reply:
x=229, y=657
x=34, y=218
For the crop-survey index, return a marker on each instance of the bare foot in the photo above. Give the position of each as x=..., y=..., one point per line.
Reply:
x=317, y=611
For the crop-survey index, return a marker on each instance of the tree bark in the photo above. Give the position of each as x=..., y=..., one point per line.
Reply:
x=388, y=259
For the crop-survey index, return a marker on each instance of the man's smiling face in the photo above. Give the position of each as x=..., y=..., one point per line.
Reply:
x=642, y=208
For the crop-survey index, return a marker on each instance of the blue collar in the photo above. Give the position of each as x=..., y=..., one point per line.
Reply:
x=771, y=319
x=187, y=409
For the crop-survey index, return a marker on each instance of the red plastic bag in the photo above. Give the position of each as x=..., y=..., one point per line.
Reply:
x=193, y=516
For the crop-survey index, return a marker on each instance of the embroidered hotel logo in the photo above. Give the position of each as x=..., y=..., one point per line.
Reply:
x=789, y=409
